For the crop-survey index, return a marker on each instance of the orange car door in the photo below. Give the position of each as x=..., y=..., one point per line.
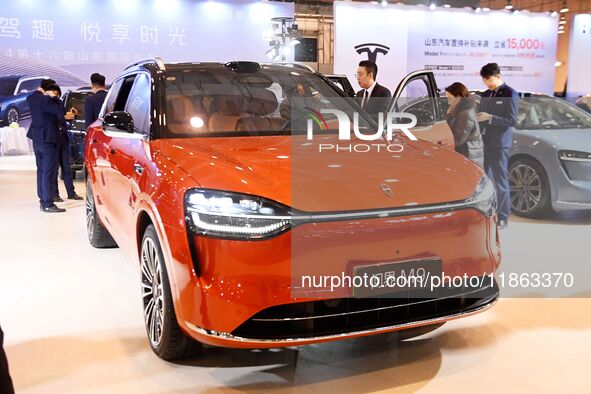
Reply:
x=129, y=158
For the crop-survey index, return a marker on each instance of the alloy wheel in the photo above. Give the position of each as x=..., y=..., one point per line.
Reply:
x=526, y=188
x=152, y=291
x=90, y=218
x=12, y=116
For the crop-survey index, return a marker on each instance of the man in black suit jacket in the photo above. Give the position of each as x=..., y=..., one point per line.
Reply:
x=499, y=107
x=45, y=135
x=374, y=98
x=94, y=102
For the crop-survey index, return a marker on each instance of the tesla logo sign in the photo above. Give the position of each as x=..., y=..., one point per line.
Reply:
x=372, y=50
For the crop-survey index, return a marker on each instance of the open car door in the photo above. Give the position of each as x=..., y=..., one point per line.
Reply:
x=342, y=82
x=417, y=94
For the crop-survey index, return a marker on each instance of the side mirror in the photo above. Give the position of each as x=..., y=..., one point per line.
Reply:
x=120, y=120
x=424, y=118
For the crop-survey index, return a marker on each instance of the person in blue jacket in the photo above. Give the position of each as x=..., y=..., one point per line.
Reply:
x=63, y=153
x=45, y=135
x=499, y=107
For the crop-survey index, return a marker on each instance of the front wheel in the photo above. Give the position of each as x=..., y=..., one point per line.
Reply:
x=529, y=188
x=98, y=235
x=12, y=115
x=166, y=338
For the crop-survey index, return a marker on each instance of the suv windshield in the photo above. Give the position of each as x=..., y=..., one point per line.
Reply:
x=7, y=86
x=537, y=113
x=212, y=100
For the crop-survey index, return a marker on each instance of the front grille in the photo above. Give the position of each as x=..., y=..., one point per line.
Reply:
x=349, y=315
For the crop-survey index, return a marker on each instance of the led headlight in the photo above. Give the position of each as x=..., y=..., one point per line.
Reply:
x=484, y=198
x=573, y=155
x=234, y=215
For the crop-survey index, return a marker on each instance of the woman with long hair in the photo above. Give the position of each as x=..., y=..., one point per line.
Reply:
x=461, y=118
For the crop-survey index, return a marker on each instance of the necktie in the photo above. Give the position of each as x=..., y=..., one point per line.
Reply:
x=364, y=101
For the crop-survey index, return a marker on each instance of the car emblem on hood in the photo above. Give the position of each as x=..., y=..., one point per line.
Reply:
x=386, y=189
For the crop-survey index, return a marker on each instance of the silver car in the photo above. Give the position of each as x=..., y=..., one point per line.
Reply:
x=550, y=160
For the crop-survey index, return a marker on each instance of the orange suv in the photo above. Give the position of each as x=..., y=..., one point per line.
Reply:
x=250, y=231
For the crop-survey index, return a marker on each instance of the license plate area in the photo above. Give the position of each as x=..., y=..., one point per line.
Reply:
x=396, y=279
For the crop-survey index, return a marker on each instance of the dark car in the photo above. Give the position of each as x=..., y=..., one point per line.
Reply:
x=14, y=90
x=76, y=128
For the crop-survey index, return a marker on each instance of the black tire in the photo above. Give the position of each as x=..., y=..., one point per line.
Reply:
x=166, y=338
x=529, y=188
x=12, y=115
x=98, y=235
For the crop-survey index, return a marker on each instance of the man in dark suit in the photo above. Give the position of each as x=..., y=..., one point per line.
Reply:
x=45, y=134
x=63, y=153
x=498, y=116
x=373, y=96
x=94, y=102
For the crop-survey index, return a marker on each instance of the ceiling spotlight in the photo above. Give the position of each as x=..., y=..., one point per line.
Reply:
x=564, y=7
x=486, y=9
x=432, y=6
x=562, y=23
x=561, y=27
x=558, y=63
x=515, y=12
x=446, y=6
x=553, y=14
x=384, y=3
x=509, y=5
x=560, y=31
x=477, y=10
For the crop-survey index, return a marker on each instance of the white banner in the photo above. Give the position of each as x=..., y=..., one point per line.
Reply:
x=453, y=43
x=579, y=59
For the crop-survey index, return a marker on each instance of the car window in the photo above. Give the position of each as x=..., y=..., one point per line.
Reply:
x=7, y=86
x=550, y=113
x=414, y=91
x=123, y=94
x=206, y=101
x=76, y=100
x=28, y=86
x=415, y=99
x=138, y=103
x=109, y=105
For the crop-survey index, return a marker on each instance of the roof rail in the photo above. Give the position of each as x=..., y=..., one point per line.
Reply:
x=155, y=60
x=294, y=64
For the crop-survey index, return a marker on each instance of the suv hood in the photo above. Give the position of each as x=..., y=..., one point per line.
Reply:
x=290, y=170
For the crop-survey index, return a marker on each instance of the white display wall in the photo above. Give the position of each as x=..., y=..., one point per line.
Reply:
x=454, y=43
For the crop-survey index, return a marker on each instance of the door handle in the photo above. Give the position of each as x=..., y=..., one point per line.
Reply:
x=138, y=169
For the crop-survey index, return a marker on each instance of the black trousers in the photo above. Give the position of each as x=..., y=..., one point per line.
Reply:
x=496, y=166
x=5, y=380
x=46, y=158
x=63, y=162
